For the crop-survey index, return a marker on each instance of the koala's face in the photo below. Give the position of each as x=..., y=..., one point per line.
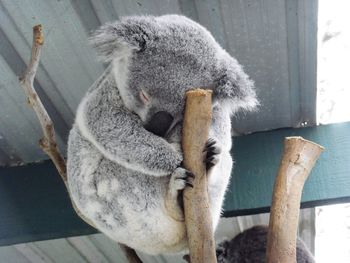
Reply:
x=158, y=114
x=157, y=59
x=175, y=55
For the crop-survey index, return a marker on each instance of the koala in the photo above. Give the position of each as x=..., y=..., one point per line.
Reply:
x=124, y=163
x=250, y=247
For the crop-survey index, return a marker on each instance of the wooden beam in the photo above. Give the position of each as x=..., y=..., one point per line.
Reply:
x=34, y=204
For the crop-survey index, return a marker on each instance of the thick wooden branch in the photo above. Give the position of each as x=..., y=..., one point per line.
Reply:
x=48, y=142
x=197, y=121
x=298, y=159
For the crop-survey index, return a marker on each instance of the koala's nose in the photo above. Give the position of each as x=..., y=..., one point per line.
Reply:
x=160, y=123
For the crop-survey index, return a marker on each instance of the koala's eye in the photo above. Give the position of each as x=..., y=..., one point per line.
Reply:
x=144, y=97
x=160, y=123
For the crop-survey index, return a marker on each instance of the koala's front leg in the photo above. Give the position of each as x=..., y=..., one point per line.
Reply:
x=120, y=136
x=179, y=179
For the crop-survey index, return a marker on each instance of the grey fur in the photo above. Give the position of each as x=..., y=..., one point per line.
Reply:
x=250, y=247
x=125, y=178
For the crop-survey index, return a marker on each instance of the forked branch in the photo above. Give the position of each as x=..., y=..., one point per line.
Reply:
x=48, y=142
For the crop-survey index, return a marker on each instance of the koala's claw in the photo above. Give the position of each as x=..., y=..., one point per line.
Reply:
x=179, y=179
x=189, y=179
x=209, y=143
x=182, y=178
x=212, y=151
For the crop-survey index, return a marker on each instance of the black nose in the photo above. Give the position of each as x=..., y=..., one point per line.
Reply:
x=159, y=123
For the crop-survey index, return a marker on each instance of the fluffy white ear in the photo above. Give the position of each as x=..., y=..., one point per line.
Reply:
x=236, y=94
x=112, y=40
x=233, y=87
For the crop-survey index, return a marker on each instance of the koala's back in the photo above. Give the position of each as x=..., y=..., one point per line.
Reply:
x=122, y=202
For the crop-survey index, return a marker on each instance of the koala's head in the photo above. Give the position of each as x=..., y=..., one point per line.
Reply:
x=156, y=60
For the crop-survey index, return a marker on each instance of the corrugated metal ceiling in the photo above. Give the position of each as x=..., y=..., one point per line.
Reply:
x=274, y=39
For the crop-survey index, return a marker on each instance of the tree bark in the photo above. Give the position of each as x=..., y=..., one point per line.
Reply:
x=298, y=159
x=197, y=120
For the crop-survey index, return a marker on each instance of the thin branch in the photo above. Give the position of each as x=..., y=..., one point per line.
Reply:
x=48, y=142
x=197, y=121
x=298, y=159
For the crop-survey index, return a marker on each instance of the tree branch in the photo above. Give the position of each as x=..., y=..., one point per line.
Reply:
x=197, y=121
x=298, y=159
x=48, y=142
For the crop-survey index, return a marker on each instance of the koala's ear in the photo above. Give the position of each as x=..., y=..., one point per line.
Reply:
x=236, y=93
x=233, y=87
x=113, y=40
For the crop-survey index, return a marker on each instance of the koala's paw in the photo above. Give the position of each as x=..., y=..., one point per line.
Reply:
x=180, y=179
x=212, y=151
